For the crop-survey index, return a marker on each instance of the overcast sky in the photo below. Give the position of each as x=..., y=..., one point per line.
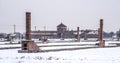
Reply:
x=83, y=13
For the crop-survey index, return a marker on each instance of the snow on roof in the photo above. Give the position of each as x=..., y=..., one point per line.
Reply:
x=93, y=32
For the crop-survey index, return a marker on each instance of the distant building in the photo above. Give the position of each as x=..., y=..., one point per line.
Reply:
x=61, y=29
x=62, y=33
x=2, y=35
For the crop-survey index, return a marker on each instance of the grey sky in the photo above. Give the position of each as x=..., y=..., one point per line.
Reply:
x=50, y=13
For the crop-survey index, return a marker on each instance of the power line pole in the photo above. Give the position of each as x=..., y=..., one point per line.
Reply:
x=14, y=28
x=35, y=28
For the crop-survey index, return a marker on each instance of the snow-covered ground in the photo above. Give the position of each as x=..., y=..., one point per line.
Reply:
x=97, y=55
x=107, y=43
x=94, y=55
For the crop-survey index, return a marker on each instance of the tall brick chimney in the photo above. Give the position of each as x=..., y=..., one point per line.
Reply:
x=28, y=26
x=101, y=29
x=102, y=42
x=78, y=34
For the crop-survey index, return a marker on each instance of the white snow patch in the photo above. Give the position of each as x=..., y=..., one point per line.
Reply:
x=97, y=55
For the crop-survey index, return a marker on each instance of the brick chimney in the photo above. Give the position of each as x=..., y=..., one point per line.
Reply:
x=78, y=34
x=102, y=42
x=28, y=45
x=28, y=26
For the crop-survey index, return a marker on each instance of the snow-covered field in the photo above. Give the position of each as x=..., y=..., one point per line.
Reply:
x=108, y=43
x=97, y=55
x=94, y=55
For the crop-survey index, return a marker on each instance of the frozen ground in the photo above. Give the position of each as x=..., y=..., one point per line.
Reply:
x=97, y=55
x=108, y=43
